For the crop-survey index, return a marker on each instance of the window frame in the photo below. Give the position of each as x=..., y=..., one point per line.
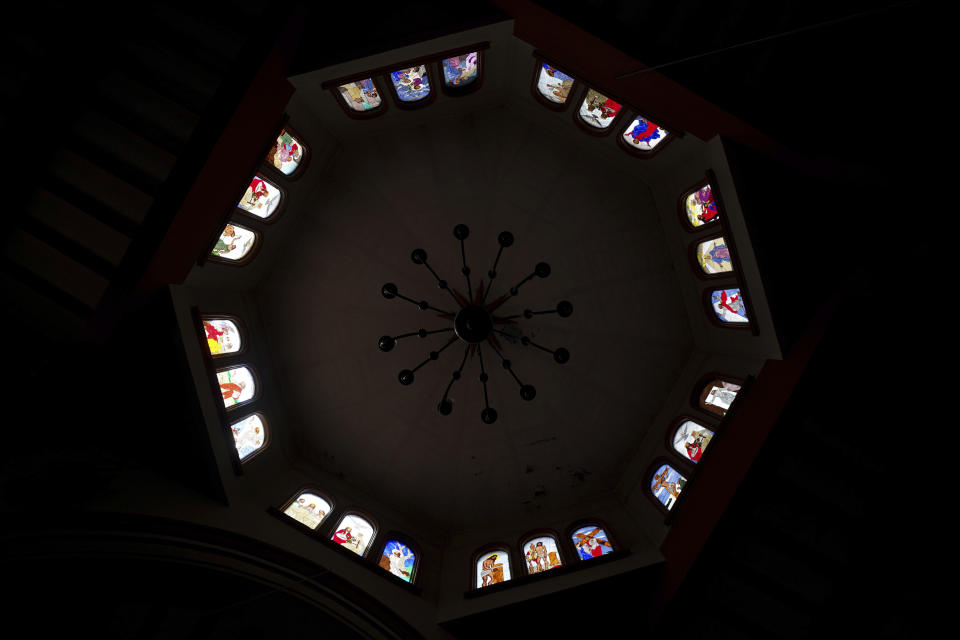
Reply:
x=334, y=88
x=304, y=155
x=309, y=488
x=267, y=437
x=695, y=264
x=589, y=128
x=361, y=513
x=709, y=179
x=672, y=429
x=475, y=558
x=697, y=397
x=638, y=153
x=591, y=522
x=410, y=544
x=257, y=387
x=749, y=325
x=550, y=104
x=460, y=91
x=648, y=477
x=416, y=104
x=210, y=257
x=272, y=218
x=540, y=533
x=241, y=331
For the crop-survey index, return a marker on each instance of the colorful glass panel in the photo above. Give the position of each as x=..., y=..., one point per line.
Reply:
x=361, y=95
x=644, y=135
x=398, y=559
x=728, y=305
x=308, y=509
x=411, y=84
x=462, y=70
x=591, y=542
x=718, y=396
x=541, y=554
x=237, y=385
x=691, y=440
x=235, y=242
x=353, y=533
x=702, y=207
x=493, y=567
x=553, y=84
x=598, y=110
x=261, y=198
x=286, y=153
x=249, y=435
x=666, y=485
x=714, y=256
x=223, y=337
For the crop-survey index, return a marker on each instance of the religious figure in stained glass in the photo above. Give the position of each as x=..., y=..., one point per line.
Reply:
x=643, y=134
x=261, y=198
x=691, y=440
x=353, y=533
x=702, y=207
x=248, y=435
x=286, y=153
x=591, y=542
x=411, y=84
x=666, y=485
x=308, y=509
x=714, y=256
x=718, y=396
x=222, y=336
x=542, y=554
x=598, y=110
x=460, y=71
x=728, y=305
x=553, y=84
x=361, y=95
x=398, y=560
x=234, y=242
x=237, y=385
x=493, y=568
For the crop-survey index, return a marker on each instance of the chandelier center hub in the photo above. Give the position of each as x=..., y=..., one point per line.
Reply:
x=473, y=324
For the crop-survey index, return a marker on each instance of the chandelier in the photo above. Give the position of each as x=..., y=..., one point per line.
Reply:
x=475, y=323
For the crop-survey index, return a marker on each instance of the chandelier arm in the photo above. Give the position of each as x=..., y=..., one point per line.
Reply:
x=454, y=378
x=466, y=270
x=442, y=283
x=423, y=304
x=516, y=315
x=483, y=378
x=492, y=274
x=434, y=357
x=507, y=365
x=422, y=333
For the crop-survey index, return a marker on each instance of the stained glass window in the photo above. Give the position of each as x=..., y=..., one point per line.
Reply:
x=691, y=439
x=493, y=567
x=354, y=533
x=223, y=337
x=718, y=395
x=461, y=70
x=286, y=153
x=714, y=256
x=399, y=560
x=237, y=385
x=235, y=242
x=666, y=485
x=591, y=542
x=728, y=305
x=701, y=207
x=261, y=198
x=553, y=84
x=411, y=84
x=249, y=435
x=598, y=110
x=361, y=95
x=644, y=135
x=541, y=554
x=309, y=509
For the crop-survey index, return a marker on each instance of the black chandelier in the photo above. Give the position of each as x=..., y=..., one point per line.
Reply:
x=475, y=322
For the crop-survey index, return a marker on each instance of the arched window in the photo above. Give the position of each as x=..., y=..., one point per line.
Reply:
x=238, y=385
x=553, y=85
x=713, y=256
x=309, y=509
x=666, y=485
x=262, y=198
x=599, y=111
x=718, y=395
x=287, y=153
x=223, y=336
x=492, y=567
x=249, y=435
x=235, y=244
x=700, y=206
x=355, y=533
x=361, y=95
x=461, y=71
x=591, y=541
x=400, y=559
x=729, y=306
x=412, y=85
x=642, y=136
x=540, y=553
x=691, y=439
